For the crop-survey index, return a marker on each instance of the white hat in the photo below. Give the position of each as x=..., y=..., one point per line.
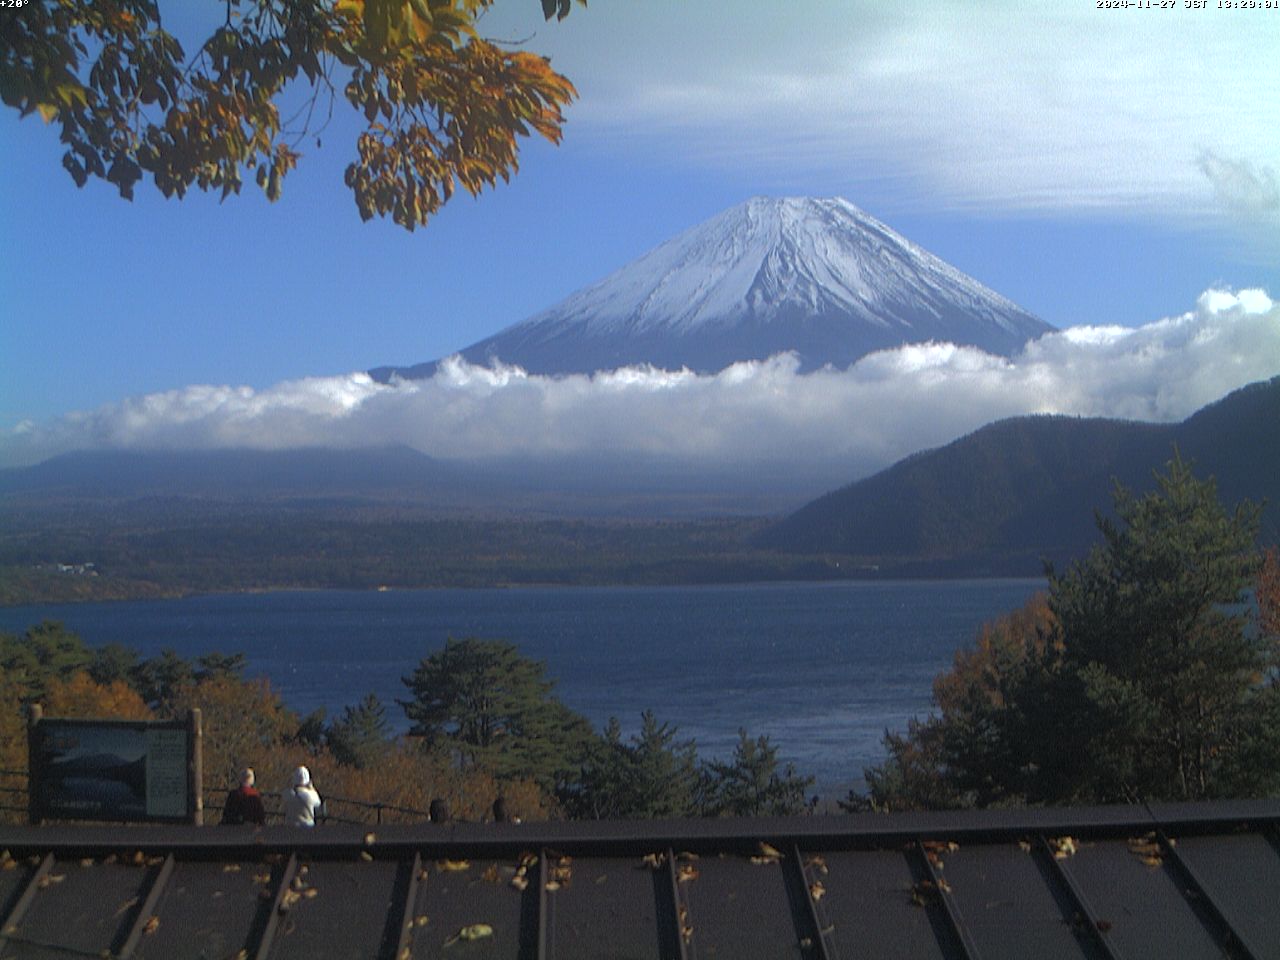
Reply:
x=301, y=777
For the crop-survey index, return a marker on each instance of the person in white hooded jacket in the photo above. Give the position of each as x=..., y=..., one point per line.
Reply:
x=301, y=801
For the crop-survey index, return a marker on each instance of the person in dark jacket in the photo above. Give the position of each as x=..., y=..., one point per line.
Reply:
x=244, y=803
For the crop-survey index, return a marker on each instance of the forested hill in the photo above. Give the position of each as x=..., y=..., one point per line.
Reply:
x=1016, y=491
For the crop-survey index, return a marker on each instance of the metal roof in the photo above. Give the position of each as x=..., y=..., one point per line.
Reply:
x=1173, y=881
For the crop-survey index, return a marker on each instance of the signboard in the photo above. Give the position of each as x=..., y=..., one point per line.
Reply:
x=120, y=770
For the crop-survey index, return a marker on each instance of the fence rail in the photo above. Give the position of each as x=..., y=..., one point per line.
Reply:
x=334, y=810
x=13, y=799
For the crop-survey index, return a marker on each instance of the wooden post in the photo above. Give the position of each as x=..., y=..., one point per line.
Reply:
x=35, y=714
x=195, y=734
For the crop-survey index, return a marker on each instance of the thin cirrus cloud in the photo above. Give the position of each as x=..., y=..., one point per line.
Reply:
x=884, y=407
x=995, y=105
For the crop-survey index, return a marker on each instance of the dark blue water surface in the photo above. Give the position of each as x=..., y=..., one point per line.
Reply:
x=823, y=669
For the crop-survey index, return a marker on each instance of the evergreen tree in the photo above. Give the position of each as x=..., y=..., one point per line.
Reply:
x=164, y=678
x=45, y=652
x=752, y=785
x=1140, y=678
x=650, y=775
x=487, y=705
x=1162, y=681
x=361, y=736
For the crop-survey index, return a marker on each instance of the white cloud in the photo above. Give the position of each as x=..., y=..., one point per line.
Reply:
x=886, y=406
x=1028, y=105
x=1239, y=186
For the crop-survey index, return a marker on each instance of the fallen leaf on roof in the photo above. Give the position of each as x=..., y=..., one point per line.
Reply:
x=1147, y=849
x=476, y=931
x=1063, y=847
x=453, y=866
x=151, y=926
x=817, y=890
x=686, y=873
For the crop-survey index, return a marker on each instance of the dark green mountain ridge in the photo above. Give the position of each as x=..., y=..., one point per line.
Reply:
x=1021, y=490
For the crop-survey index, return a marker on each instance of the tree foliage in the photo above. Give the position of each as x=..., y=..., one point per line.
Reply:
x=1162, y=667
x=752, y=784
x=442, y=106
x=1139, y=677
x=362, y=735
x=489, y=706
x=485, y=724
x=651, y=774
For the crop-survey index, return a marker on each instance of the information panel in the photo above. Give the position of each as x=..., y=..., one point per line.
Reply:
x=110, y=770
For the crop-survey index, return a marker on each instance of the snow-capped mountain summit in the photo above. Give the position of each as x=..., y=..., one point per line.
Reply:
x=816, y=276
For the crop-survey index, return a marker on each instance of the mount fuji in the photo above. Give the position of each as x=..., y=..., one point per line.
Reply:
x=818, y=277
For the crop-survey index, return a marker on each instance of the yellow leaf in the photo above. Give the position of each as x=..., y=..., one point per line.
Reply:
x=48, y=112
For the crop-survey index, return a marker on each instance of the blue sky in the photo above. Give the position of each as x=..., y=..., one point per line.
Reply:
x=1098, y=167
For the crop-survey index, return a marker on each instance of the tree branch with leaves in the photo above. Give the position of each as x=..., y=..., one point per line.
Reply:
x=443, y=107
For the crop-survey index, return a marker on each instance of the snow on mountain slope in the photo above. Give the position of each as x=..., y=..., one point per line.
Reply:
x=816, y=276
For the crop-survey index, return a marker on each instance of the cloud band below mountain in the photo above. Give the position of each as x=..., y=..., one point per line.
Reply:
x=764, y=414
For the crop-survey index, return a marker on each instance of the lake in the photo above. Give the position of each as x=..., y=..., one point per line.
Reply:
x=822, y=668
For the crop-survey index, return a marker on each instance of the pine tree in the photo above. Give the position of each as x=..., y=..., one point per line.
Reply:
x=652, y=774
x=1161, y=676
x=361, y=736
x=752, y=784
x=488, y=705
x=1142, y=679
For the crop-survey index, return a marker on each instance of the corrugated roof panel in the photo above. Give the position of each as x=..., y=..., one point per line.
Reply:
x=1011, y=904
x=471, y=909
x=607, y=908
x=739, y=908
x=874, y=910
x=339, y=908
x=212, y=909
x=14, y=877
x=1241, y=873
x=946, y=885
x=84, y=906
x=1139, y=901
